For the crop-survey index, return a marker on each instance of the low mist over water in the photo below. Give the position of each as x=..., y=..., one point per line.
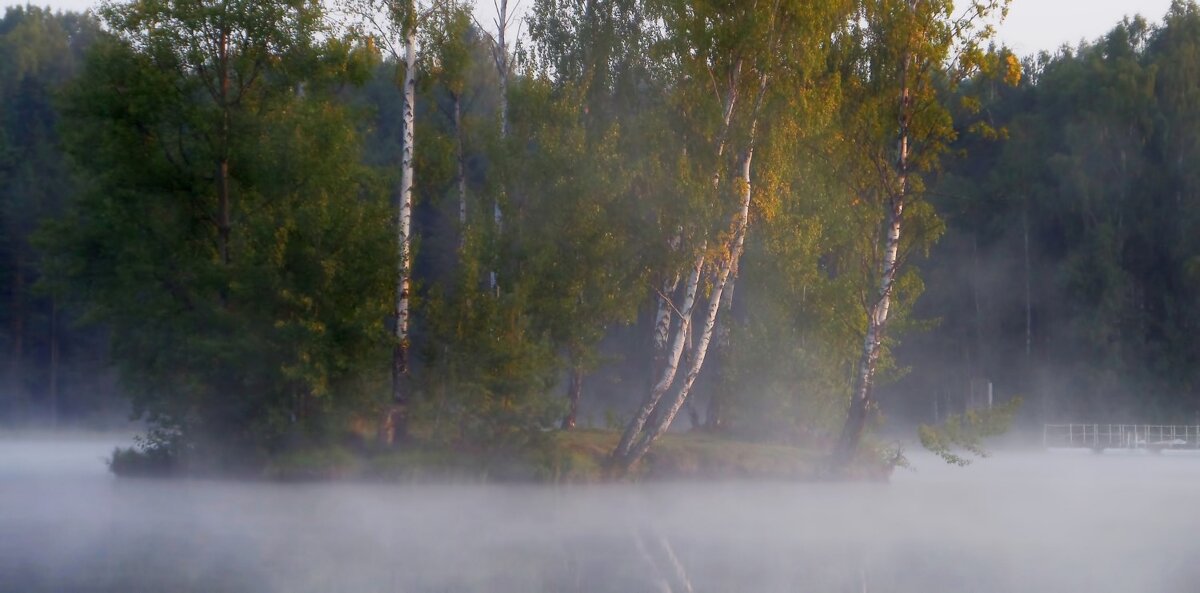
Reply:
x=1060, y=521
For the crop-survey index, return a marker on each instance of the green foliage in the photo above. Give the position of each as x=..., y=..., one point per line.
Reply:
x=264, y=348
x=967, y=431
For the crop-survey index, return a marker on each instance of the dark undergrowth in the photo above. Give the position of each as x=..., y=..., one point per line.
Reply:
x=578, y=456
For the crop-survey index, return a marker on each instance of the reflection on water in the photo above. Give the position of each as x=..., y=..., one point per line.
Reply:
x=1019, y=522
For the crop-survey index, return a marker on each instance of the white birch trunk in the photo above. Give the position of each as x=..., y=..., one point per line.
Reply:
x=662, y=318
x=667, y=377
x=737, y=242
x=877, y=315
x=740, y=224
x=395, y=420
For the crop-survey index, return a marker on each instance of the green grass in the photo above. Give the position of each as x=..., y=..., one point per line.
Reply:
x=577, y=456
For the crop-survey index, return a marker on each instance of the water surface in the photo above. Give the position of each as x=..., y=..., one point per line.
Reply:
x=1061, y=521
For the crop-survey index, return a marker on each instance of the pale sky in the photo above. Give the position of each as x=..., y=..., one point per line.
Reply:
x=1032, y=25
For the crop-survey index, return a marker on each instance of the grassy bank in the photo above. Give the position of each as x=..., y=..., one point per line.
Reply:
x=578, y=456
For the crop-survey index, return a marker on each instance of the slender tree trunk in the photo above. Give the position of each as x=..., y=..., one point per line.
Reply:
x=638, y=422
x=665, y=313
x=461, y=175
x=17, y=329
x=502, y=68
x=395, y=422
x=54, y=404
x=861, y=397
x=712, y=419
x=223, y=205
x=574, y=395
x=662, y=324
x=1028, y=294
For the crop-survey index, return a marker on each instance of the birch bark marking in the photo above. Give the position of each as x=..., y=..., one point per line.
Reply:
x=861, y=397
x=663, y=316
x=395, y=422
x=638, y=422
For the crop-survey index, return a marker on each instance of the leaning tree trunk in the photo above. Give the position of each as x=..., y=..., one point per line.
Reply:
x=665, y=313
x=741, y=219
x=638, y=422
x=395, y=421
x=737, y=242
x=714, y=419
x=877, y=315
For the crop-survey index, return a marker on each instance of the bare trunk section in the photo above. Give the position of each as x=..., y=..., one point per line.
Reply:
x=223, y=207
x=461, y=174
x=1028, y=293
x=574, y=395
x=638, y=422
x=662, y=324
x=54, y=356
x=713, y=419
x=877, y=315
x=666, y=312
x=394, y=424
x=503, y=64
x=17, y=329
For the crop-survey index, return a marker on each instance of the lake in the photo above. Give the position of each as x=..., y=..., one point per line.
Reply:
x=1031, y=521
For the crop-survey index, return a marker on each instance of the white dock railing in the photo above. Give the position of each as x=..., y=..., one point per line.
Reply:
x=1121, y=436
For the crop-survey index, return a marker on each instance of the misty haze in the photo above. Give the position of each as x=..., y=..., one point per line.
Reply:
x=564, y=295
x=1019, y=522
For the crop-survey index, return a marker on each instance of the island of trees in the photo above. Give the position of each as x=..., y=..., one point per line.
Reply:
x=588, y=238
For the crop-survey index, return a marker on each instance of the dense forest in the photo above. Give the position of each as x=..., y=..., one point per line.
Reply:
x=275, y=226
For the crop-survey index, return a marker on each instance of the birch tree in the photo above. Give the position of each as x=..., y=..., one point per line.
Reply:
x=393, y=25
x=742, y=55
x=504, y=21
x=904, y=47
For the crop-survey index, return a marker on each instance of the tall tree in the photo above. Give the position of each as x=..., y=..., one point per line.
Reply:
x=903, y=49
x=755, y=52
x=393, y=25
x=239, y=337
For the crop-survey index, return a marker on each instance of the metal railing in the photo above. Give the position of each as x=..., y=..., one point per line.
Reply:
x=1121, y=436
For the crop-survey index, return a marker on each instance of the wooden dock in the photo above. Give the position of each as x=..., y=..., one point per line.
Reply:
x=1098, y=437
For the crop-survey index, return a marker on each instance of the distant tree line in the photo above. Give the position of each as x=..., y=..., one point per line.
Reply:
x=1068, y=272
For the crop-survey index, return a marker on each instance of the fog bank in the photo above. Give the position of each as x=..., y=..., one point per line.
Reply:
x=1063, y=521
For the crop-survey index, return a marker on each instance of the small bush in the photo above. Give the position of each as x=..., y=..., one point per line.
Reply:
x=139, y=462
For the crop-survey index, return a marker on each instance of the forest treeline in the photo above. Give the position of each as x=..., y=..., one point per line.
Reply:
x=274, y=225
